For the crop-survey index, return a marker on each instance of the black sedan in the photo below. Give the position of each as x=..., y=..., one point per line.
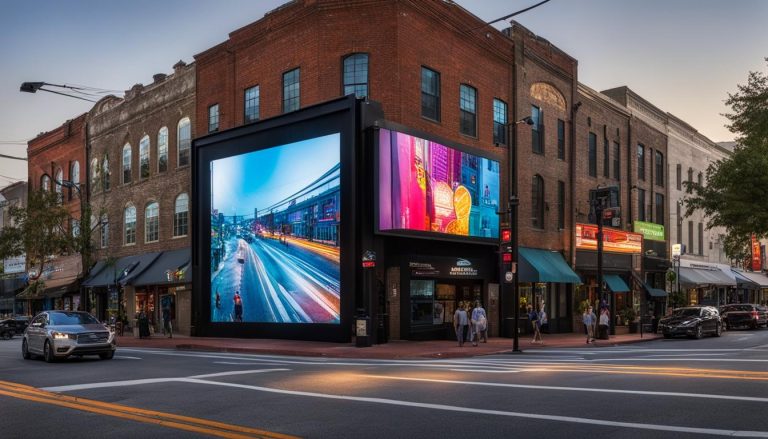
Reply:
x=693, y=321
x=13, y=326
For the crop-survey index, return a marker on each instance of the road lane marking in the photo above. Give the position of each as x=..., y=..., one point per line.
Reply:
x=486, y=370
x=179, y=422
x=453, y=408
x=128, y=383
x=573, y=389
x=124, y=357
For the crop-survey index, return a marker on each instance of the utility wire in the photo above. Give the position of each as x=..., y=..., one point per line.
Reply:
x=12, y=157
x=507, y=17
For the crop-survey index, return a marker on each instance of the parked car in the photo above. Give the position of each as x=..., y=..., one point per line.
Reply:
x=693, y=321
x=13, y=326
x=744, y=315
x=60, y=334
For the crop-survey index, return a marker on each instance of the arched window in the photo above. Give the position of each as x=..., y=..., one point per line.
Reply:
x=127, y=163
x=537, y=202
x=356, y=75
x=144, y=158
x=94, y=175
x=181, y=215
x=58, y=178
x=105, y=172
x=129, y=225
x=152, y=222
x=45, y=183
x=74, y=177
x=104, y=231
x=162, y=150
x=183, y=139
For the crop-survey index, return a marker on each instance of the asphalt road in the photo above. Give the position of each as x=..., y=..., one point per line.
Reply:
x=659, y=389
x=281, y=282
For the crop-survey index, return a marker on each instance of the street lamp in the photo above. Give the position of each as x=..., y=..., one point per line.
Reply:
x=33, y=87
x=513, y=203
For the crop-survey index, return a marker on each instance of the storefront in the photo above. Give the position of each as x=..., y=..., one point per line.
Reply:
x=705, y=284
x=108, y=295
x=546, y=282
x=58, y=287
x=621, y=267
x=655, y=268
x=165, y=285
x=762, y=281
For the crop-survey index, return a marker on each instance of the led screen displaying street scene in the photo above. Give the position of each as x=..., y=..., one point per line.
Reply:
x=275, y=218
x=426, y=186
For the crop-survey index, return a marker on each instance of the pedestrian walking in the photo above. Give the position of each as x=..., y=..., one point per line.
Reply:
x=533, y=317
x=460, y=323
x=543, y=320
x=238, y=307
x=167, y=325
x=604, y=323
x=589, y=320
x=479, y=324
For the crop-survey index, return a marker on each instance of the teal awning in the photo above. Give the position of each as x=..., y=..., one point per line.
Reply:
x=538, y=265
x=655, y=292
x=615, y=283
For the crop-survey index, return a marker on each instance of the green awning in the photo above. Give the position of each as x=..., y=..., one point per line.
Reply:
x=655, y=292
x=538, y=265
x=615, y=283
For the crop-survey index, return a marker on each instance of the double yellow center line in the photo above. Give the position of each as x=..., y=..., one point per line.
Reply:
x=646, y=370
x=187, y=423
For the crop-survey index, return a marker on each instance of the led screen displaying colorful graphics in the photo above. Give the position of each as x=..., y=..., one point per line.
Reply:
x=426, y=186
x=275, y=222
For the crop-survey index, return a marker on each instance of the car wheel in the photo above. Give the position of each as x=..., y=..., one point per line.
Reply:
x=7, y=335
x=48, y=352
x=667, y=335
x=108, y=356
x=25, y=350
x=719, y=331
x=698, y=333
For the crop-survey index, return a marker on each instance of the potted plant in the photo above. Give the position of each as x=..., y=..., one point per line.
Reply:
x=630, y=317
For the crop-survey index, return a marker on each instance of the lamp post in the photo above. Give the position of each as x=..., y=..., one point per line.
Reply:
x=514, y=202
x=84, y=239
x=33, y=87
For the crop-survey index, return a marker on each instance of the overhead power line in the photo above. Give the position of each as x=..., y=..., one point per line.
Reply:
x=12, y=157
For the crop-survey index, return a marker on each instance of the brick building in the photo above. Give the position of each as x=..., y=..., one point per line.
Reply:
x=15, y=268
x=139, y=184
x=55, y=157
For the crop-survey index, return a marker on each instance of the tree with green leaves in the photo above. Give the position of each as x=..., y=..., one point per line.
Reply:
x=39, y=230
x=735, y=195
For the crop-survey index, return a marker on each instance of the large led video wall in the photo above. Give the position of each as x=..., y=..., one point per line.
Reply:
x=275, y=222
x=425, y=186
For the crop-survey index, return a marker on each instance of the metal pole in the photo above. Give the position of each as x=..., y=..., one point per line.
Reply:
x=516, y=258
x=600, y=293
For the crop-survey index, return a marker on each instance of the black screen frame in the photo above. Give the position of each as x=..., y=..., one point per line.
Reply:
x=337, y=116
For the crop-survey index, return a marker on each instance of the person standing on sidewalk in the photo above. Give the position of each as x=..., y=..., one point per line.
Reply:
x=479, y=324
x=604, y=322
x=460, y=323
x=533, y=317
x=167, y=326
x=589, y=320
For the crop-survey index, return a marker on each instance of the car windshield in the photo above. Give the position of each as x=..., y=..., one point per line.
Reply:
x=687, y=312
x=738, y=308
x=72, y=318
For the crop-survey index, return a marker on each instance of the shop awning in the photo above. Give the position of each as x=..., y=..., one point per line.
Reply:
x=170, y=268
x=121, y=271
x=745, y=282
x=694, y=277
x=655, y=292
x=758, y=278
x=538, y=265
x=616, y=283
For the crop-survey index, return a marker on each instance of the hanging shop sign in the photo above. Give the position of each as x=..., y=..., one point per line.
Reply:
x=615, y=241
x=756, y=260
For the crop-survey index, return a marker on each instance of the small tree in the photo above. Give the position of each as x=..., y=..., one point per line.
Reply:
x=39, y=231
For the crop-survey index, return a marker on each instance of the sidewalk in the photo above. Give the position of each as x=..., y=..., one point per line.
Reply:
x=392, y=350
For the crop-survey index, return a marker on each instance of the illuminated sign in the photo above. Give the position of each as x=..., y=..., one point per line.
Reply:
x=651, y=231
x=756, y=259
x=615, y=241
x=275, y=240
x=425, y=186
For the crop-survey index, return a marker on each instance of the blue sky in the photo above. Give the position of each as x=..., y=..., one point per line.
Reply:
x=682, y=55
x=262, y=178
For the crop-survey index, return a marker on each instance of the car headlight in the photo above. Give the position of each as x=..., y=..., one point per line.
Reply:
x=62, y=336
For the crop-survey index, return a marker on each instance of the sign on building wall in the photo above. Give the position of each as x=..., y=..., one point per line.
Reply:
x=616, y=241
x=756, y=259
x=651, y=231
x=16, y=264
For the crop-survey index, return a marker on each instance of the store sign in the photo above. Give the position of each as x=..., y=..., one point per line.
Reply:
x=652, y=231
x=16, y=264
x=677, y=250
x=615, y=241
x=445, y=267
x=756, y=260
